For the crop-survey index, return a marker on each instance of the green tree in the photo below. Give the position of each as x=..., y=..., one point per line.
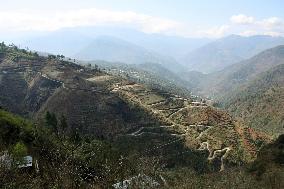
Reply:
x=18, y=152
x=2, y=47
x=50, y=57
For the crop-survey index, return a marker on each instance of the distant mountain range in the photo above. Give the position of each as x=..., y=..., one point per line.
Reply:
x=60, y=42
x=117, y=45
x=117, y=50
x=228, y=50
x=134, y=47
x=72, y=39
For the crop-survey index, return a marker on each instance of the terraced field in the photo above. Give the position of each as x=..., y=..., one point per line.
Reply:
x=137, y=118
x=195, y=123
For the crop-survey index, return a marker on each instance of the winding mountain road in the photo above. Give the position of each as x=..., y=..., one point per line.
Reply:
x=215, y=153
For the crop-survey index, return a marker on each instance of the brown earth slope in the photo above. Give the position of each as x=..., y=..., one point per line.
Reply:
x=106, y=106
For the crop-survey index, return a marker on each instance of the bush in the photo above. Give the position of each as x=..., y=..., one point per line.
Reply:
x=19, y=150
x=257, y=168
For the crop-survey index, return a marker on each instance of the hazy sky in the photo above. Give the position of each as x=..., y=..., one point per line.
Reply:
x=192, y=18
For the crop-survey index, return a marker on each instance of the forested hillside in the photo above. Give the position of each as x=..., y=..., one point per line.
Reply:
x=251, y=89
x=260, y=102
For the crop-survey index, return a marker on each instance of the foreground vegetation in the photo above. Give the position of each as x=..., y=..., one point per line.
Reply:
x=67, y=160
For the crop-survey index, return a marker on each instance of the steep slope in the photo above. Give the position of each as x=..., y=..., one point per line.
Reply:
x=271, y=155
x=42, y=84
x=251, y=90
x=265, y=172
x=226, y=51
x=260, y=102
x=14, y=129
x=221, y=83
x=117, y=50
x=202, y=127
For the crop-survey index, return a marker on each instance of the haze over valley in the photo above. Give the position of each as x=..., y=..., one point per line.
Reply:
x=127, y=94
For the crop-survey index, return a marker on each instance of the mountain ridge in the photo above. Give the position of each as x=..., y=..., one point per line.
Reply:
x=228, y=50
x=243, y=88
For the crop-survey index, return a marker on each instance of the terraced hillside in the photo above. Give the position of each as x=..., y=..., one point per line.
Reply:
x=137, y=118
x=200, y=126
x=63, y=88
